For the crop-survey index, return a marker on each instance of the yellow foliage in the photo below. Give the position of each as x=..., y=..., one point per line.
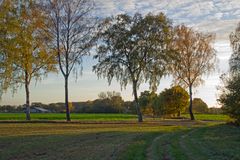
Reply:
x=71, y=107
x=23, y=45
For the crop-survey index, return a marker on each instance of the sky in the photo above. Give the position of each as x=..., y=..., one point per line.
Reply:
x=219, y=17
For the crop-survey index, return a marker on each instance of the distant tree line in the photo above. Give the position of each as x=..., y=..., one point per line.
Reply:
x=170, y=102
x=108, y=102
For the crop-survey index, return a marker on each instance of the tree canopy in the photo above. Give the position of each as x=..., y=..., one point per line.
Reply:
x=234, y=61
x=199, y=106
x=230, y=95
x=194, y=57
x=147, y=102
x=134, y=50
x=24, y=51
x=173, y=101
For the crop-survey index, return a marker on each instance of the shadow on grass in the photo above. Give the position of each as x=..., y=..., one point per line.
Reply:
x=118, y=141
x=199, y=143
x=91, y=146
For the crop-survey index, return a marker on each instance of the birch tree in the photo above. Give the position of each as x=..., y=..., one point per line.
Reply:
x=134, y=50
x=194, y=58
x=72, y=27
x=25, y=55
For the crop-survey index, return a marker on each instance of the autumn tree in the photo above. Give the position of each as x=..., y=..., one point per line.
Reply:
x=199, y=106
x=8, y=27
x=24, y=47
x=173, y=101
x=5, y=8
x=133, y=50
x=72, y=25
x=194, y=58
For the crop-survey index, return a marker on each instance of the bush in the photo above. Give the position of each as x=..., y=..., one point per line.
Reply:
x=146, y=101
x=172, y=101
x=230, y=96
x=199, y=106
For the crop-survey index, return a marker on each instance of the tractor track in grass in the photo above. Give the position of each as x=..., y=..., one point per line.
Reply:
x=182, y=144
x=165, y=143
x=150, y=149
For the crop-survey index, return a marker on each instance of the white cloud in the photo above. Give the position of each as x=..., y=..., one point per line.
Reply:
x=216, y=16
x=128, y=6
x=105, y=8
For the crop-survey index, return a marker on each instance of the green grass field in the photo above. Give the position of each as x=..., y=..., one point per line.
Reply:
x=122, y=139
x=164, y=140
x=99, y=117
x=209, y=117
x=74, y=116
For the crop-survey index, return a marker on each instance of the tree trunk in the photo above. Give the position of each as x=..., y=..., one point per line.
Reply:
x=27, y=105
x=190, y=105
x=66, y=100
x=179, y=113
x=137, y=103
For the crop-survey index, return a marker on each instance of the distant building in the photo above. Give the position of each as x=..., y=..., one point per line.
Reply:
x=37, y=110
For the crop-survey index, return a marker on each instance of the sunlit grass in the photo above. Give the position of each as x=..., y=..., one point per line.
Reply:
x=62, y=116
x=101, y=117
x=25, y=129
x=210, y=117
